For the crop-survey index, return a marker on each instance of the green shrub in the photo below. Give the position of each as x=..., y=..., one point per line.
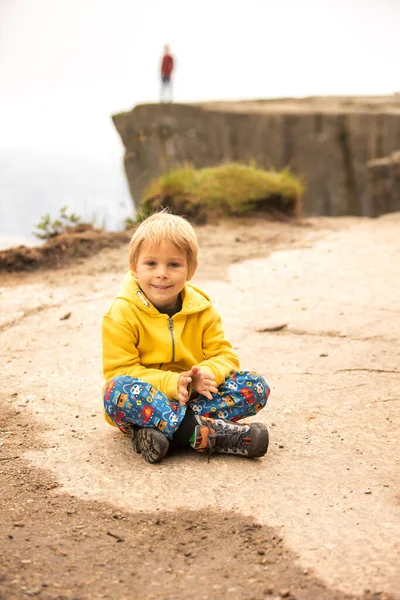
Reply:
x=48, y=228
x=228, y=190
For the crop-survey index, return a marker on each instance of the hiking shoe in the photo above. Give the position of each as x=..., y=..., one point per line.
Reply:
x=150, y=443
x=227, y=437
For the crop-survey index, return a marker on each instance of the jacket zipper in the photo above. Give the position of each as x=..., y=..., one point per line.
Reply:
x=171, y=328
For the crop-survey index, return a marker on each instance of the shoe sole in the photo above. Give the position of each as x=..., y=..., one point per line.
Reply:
x=133, y=433
x=153, y=444
x=260, y=440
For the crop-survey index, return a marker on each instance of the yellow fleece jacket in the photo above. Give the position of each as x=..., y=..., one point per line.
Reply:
x=141, y=342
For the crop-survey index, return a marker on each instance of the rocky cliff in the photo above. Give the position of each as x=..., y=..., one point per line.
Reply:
x=383, y=188
x=328, y=141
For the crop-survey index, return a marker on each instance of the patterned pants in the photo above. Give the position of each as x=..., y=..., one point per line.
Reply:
x=128, y=400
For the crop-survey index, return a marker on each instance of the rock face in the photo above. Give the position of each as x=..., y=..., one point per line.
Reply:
x=383, y=187
x=327, y=141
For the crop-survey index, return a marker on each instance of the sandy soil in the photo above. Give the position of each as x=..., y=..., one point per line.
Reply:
x=315, y=308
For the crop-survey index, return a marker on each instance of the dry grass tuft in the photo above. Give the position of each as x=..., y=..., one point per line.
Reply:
x=228, y=190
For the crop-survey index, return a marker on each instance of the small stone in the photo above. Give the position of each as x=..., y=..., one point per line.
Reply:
x=368, y=492
x=26, y=561
x=19, y=524
x=323, y=355
x=65, y=317
x=268, y=591
x=271, y=327
x=33, y=591
x=285, y=593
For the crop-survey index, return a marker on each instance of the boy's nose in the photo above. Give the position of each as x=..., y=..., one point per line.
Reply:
x=161, y=272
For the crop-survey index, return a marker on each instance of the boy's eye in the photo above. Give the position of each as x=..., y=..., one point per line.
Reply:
x=149, y=263
x=174, y=265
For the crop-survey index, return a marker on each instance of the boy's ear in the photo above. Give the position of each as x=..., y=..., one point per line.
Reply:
x=194, y=269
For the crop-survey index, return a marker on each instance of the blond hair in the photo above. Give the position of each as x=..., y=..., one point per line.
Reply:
x=165, y=226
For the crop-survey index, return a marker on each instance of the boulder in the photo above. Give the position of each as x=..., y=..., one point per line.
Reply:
x=383, y=188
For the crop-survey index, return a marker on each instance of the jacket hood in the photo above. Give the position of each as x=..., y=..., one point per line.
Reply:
x=193, y=299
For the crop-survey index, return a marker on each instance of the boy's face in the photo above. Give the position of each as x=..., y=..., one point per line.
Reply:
x=162, y=272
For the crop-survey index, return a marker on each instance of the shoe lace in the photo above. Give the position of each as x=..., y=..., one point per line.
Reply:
x=224, y=439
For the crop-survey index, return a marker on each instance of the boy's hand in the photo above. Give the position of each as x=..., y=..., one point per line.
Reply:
x=183, y=383
x=203, y=382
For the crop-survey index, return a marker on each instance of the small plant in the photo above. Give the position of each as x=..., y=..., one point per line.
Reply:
x=46, y=228
x=129, y=223
x=141, y=215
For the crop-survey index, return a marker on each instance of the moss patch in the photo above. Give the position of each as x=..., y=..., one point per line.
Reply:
x=228, y=190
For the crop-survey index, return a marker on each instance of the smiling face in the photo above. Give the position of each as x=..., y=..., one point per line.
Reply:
x=162, y=271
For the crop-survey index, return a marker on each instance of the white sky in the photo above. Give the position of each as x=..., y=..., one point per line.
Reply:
x=66, y=65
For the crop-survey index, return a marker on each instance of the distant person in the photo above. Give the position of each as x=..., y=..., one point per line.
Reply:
x=172, y=376
x=167, y=66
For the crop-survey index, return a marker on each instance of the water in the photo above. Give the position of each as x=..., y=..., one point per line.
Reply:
x=33, y=184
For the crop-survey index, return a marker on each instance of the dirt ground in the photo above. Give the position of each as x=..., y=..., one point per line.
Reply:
x=315, y=308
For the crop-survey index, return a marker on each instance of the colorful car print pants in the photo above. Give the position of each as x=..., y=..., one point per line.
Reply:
x=128, y=401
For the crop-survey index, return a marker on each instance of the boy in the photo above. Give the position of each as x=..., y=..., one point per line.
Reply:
x=171, y=373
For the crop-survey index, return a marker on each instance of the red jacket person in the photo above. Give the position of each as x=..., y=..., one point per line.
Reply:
x=167, y=67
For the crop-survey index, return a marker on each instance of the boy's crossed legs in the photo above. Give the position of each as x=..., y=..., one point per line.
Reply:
x=204, y=423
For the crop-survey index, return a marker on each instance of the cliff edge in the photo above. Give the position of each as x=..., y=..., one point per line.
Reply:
x=327, y=141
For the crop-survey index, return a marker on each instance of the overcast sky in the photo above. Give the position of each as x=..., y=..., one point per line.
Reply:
x=66, y=65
